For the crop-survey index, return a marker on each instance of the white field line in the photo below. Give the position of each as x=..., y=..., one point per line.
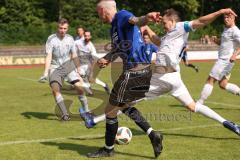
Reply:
x=92, y=136
x=224, y=104
x=27, y=79
x=48, y=140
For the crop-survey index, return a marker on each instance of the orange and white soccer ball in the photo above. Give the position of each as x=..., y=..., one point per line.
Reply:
x=123, y=136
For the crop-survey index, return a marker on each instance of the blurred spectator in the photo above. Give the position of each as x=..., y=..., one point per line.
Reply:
x=205, y=39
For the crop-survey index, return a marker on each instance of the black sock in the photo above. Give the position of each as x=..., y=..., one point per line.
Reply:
x=111, y=131
x=136, y=115
x=191, y=65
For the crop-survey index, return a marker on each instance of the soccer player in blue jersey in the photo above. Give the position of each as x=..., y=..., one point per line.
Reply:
x=135, y=78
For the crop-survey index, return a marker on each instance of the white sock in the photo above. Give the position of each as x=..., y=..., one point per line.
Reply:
x=101, y=83
x=102, y=117
x=206, y=92
x=83, y=100
x=233, y=88
x=60, y=102
x=86, y=84
x=109, y=147
x=149, y=131
x=206, y=111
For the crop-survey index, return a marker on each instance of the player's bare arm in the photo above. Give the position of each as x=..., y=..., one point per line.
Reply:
x=235, y=54
x=48, y=60
x=76, y=61
x=204, y=20
x=153, y=36
x=143, y=20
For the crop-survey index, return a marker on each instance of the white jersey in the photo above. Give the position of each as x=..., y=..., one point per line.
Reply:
x=86, y=52
x=230, y=40
x=61, y=49
x=171, y=45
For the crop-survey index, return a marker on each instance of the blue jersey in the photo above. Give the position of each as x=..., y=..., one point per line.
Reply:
x=148, y=50
x=128, y=41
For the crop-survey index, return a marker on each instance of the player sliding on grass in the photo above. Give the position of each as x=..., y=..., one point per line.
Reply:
x=61, y=52
x=228, y=51
x=166, y=79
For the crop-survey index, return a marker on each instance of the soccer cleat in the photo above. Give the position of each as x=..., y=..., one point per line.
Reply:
x=65, y=118
x=232, y=126
x=88, y=118
x=102, y=152
x=107, y=89
x=196, y=69
x=157, y=143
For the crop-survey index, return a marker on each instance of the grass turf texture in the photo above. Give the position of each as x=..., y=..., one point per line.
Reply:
x=30, y=129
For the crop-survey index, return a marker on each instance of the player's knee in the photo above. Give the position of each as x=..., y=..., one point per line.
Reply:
x=222, y=85
x=191, y=106
x=111, y=111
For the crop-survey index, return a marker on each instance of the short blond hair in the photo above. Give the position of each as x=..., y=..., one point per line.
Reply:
x=107, y=4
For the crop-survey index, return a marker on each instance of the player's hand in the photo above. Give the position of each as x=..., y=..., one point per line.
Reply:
x=233, y=58
x=228, y=11
x=43, y=79
x=102, y=63
x=214, y=39
x=154, y=16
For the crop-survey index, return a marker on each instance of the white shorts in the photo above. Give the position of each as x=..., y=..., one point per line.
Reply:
x=222, y=68
x=85, y=70
x=57, y=75
x=169, y=83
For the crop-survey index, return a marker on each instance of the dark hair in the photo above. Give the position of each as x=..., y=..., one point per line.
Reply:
x=173, y=14
x=63, y=21
x=145, y=33
x=87, y=31
x=80, y=27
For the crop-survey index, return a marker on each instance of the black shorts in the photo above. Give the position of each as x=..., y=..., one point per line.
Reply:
x=130, y=86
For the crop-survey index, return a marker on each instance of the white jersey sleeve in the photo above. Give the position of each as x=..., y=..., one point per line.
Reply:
x=230, y=40
x=49, y=44
x=72, y=46
x=93, y=51
x=236, y=36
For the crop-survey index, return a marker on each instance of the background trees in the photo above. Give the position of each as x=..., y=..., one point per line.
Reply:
x=31, y=21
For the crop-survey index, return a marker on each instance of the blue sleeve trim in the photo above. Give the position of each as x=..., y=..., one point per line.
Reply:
x=187, y=26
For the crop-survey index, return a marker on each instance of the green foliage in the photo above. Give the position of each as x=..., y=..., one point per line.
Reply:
x=31, y=21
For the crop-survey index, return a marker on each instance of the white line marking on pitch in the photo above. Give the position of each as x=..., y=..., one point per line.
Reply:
x=28, y=79
x=48, y=140
x=91, y=136
x=224, y=104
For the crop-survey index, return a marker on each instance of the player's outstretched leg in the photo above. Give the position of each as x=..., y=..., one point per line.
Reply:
x=232, y=126
x=206, y=111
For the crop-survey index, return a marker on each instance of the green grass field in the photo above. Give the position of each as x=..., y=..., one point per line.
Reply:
x=30, y=129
